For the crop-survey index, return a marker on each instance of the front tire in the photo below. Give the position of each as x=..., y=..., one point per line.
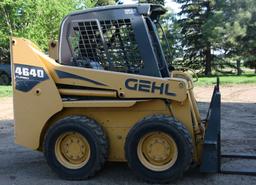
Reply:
x=75, y=147
x=159, y=149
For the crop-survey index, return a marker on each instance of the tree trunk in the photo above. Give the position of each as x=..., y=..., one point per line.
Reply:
x=208, y=61
x=238, y=66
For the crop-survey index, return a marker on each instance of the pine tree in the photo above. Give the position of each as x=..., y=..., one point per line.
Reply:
x=248, y=42
x=218, y=33
x=196, y=40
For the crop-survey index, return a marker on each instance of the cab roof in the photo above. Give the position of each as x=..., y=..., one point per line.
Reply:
x=143, y=9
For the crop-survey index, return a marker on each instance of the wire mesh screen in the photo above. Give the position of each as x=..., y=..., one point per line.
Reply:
x=87, y=45
x=122, y=47
x=108, y=44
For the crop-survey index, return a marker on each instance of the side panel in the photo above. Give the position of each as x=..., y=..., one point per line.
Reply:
x=127, y=85
x=53, y=49
x=35, y=95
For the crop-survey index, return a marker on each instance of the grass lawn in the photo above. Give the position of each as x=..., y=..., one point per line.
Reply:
x=224, y=80
x=5, y=91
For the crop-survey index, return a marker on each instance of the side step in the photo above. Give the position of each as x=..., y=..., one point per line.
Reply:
x=211, y=158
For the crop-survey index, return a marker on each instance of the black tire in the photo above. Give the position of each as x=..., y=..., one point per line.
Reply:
x=5, y=79
x=169, y=126
x=97, y=141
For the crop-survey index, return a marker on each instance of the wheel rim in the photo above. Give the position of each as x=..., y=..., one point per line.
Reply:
x=157, y=151
x=72, y=150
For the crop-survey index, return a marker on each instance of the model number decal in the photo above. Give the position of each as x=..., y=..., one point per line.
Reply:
x=27, y=72
x=26, y=77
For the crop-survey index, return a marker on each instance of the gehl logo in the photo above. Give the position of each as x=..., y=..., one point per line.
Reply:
x=148, y=86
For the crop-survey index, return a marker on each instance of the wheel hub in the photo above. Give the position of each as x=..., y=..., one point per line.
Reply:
x=157, y=151
x=72, y=150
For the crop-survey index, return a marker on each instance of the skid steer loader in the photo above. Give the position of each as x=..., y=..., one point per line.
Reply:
x=110, y=96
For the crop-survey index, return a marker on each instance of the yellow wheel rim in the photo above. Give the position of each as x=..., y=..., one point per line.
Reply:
x=157, y=151
x=72, y=150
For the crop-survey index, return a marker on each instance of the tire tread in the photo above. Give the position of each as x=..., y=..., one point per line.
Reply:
x=165, y=119
x=82, y=121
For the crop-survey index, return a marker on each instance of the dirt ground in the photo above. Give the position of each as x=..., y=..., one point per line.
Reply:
x=23, y=166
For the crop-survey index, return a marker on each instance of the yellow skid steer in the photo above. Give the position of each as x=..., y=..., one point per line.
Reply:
x=110, y=96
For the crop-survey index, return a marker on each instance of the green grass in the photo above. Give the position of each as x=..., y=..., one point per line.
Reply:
x=225, y=80
x=5, y=91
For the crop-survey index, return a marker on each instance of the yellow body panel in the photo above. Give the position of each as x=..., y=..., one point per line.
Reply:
x=45, y=103
x=32, y=109
x=53, y=49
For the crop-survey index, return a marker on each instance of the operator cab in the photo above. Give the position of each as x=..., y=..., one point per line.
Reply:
x=121, y=38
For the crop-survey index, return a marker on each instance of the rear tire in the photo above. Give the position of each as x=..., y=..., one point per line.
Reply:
x=75, y=147
x=159, y=149
x=4, y=79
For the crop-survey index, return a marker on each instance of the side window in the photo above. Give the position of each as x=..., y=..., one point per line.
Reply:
x=87, y=45
x=105, y=45
x=123, y=50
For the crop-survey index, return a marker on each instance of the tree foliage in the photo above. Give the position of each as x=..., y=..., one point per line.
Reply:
x=170, y=36
x=216, y=33
x=38, y=20
x=104, y=2
x=247, y=44
x=197, y=25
